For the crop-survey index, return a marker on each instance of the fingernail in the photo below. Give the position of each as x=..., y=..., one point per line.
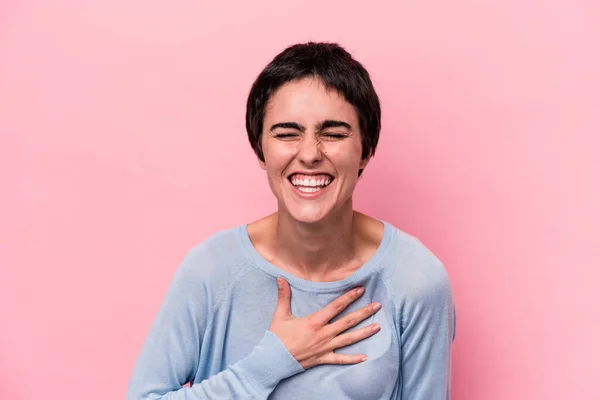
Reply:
x=365, y=358
x=360, y=290
x=376, y=306
x=376, y=327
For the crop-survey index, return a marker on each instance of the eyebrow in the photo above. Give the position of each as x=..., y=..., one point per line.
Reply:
x=328, y=123
x=289, y=125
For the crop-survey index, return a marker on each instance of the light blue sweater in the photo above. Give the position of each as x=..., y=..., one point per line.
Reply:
x=212, y=328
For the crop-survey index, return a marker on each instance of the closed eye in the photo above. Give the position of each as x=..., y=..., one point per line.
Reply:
x=334, y=135
x=286, y=135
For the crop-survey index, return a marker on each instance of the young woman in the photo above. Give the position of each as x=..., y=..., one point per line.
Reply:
x=315, y=300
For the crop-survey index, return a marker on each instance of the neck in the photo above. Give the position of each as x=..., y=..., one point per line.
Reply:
x=317, y=251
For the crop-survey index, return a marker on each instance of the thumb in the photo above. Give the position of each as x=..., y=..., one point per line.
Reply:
x=283, y=299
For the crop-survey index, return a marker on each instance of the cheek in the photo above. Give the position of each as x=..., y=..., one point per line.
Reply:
x=344, y=159
x=278, y=156
x=275, y=165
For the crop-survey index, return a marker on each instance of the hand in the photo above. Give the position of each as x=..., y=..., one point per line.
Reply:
x=312, y=339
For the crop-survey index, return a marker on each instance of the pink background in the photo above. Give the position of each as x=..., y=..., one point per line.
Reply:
x=122, y=145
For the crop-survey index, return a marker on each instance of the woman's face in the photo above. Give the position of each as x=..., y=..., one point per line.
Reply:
x=312, y=149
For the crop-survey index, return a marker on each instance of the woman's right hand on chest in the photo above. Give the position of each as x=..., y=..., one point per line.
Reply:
x=313, y=339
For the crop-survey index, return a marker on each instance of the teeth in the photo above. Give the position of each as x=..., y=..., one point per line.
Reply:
x=309, y=189
x=311, y=183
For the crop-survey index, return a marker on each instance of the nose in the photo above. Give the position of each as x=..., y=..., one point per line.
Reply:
x=310, y=150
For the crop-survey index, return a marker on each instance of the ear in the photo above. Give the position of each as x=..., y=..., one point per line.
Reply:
x=365, y=161
x=261, y=163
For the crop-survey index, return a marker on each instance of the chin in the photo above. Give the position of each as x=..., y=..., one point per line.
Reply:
x=309, y=214
x=308, y=211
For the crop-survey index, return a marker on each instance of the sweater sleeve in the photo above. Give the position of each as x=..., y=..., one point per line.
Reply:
x=427, y=319
x=170, y=355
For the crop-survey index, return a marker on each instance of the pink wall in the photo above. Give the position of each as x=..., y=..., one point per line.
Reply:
x=122, y=144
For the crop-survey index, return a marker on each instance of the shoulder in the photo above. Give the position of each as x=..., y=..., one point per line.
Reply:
x=413, y=273
x=214, y=265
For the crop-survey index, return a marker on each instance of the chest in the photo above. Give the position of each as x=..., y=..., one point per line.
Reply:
x=239, y=324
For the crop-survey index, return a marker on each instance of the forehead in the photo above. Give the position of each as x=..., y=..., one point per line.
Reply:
x=309, y=100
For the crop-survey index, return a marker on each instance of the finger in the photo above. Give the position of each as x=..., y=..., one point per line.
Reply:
x=282, y=309
x=349, y=338
x=332, y=309
x=343, y=359
x=352, y=319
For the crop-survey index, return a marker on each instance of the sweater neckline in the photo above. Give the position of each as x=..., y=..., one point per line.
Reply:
x=356, y=277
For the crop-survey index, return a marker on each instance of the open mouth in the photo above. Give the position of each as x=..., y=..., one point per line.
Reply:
x=310, y=183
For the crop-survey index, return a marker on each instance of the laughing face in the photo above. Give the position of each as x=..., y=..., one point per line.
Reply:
x=312, y=149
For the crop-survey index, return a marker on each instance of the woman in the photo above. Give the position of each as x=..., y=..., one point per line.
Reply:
x=316, y=300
